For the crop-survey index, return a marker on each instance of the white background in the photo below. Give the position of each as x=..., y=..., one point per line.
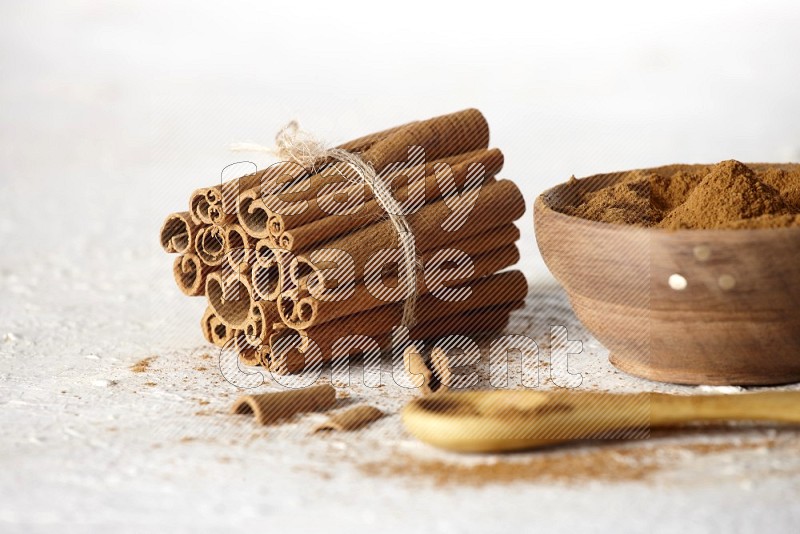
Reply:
x=149, y=94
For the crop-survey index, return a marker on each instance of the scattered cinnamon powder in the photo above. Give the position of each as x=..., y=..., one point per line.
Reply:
x=727, y=195
x=603, y=462
x=142, y=365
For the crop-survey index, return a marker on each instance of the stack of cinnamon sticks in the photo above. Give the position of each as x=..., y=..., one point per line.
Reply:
x=301, y=262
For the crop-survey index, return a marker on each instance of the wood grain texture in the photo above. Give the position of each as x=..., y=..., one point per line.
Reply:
x=735, y=322
x=503, y=421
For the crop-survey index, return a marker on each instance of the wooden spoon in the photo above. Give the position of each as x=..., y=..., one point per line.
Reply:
x=494, y=421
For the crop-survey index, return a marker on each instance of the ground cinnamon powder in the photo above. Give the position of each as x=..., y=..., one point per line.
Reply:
x=604, y=461
x=730, y=194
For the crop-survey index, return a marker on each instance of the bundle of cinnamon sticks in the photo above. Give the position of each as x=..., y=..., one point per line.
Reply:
x=302, y=262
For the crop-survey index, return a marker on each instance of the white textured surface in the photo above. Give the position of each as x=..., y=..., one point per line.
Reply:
x=111, y=113
x=88, y=443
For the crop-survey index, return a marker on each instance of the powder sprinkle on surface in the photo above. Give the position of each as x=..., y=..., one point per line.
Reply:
x=142, y=365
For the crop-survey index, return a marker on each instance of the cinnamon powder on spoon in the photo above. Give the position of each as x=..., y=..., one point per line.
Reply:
x=727, y=195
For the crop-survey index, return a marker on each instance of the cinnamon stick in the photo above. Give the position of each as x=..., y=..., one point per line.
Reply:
x=326, y=228
x=415, y=366
x=222, y=199
x=447, y=316
x=448, y=135
x=268, y=273
x=214, y=330
x=216, y=211
x=454, y=133
x=289, y=347
x=351, y=419
x=310, y=311
x=248, y=348
x=177, y=233
x=240, y=249
x=497, y=289
x=230, y=236
x=198, y=206
x=264, y=248
x=499, y=204
x=210, y=244
x=270, y=408
x=261, y=321
x=253, y=214
x=443, y=364
x=253, y=344
x=442, y=136
x=434, y=316
x=190, y=274
x=472, y=322
x=230, y=298
x=288, y=306
x=492, y=161
x=300, y=269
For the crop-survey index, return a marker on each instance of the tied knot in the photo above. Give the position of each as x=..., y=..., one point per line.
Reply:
x=295, y=144
x=299, y=146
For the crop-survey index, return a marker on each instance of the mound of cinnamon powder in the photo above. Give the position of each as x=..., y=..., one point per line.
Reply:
x=727, y=195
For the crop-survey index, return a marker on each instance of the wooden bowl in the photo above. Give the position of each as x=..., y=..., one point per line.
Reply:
x=717, y=307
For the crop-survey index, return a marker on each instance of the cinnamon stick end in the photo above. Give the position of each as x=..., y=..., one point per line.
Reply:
x=415, y=366
x=270, y=408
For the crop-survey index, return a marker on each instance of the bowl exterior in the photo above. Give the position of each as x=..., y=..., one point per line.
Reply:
x=693, y=306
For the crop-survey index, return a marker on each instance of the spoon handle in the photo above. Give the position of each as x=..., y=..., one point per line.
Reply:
x=493, y=421
x=777, y=406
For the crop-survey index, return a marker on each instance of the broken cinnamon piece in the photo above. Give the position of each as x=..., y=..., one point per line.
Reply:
x=353, y=419
x=414, y=364
x=269, y=408
x=441, y=368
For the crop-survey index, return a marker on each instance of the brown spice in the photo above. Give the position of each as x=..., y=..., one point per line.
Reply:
x=627, y=202
x=604, y=462
x=272, y=407
x=351, y=419
x=728, y=195
x=142, y=365
x=415, y=365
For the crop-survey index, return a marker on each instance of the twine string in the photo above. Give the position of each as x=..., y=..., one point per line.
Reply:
x=299, y=146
